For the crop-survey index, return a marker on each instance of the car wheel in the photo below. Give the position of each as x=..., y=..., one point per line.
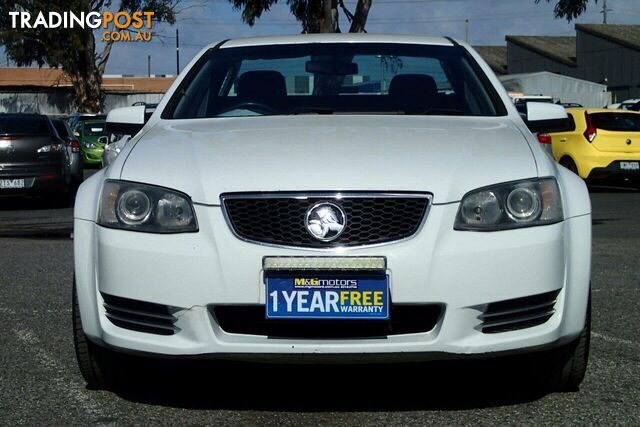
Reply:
x=565, y=367
x=568, y=163
x=75, y=184
x=97, y=364
x=62, y=198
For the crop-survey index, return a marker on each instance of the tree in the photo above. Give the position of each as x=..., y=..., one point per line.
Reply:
x=569, y=9
x=73, y=49
x=315, y=16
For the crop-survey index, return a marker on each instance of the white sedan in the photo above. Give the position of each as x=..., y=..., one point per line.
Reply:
x=330, y=198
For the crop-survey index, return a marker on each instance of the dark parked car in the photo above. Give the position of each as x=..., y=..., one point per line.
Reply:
x=76, y=165
x=33, y=157
x=75, y=118
x=634, y=107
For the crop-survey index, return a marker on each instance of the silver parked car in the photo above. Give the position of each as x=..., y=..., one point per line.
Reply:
x=114, y=143
x=72, y=145
x=113, y=146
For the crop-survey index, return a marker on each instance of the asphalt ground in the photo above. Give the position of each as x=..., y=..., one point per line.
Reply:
x=40, y=382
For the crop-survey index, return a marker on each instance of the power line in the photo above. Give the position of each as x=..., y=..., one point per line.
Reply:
x=201, y=21
x=605, y=11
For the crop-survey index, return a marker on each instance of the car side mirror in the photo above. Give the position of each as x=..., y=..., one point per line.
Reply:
x=543, y=117
x=126, y=120
x=103, y=140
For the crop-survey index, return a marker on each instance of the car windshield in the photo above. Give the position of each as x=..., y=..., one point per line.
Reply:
x=24, y=126
x=94, y=129
x=616, y=122
x=60, y=128
x=335, y=78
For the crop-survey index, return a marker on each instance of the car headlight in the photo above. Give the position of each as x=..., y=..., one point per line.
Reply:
x=90, y=145
x=147, y=208
x=511, y=205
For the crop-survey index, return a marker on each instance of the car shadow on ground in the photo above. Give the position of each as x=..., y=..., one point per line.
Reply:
x=26, y=203
x=35, y=217
x=613, y=188
x=329, y=388
x=37, y=202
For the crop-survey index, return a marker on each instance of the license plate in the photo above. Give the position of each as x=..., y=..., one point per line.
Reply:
x=322, y=296
x=630, y=166
x=11, y=183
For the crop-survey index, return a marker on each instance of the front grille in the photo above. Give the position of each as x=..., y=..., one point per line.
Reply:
x=519, y=313
x=139, y=315
x=251, y=320
x=279, y=219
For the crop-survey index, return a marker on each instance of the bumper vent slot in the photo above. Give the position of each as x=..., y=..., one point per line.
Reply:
x=139, y=316
x=279, y=218
x=519, y=313
x=250, y=320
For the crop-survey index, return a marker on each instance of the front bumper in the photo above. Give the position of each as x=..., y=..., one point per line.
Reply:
x=92, y=156
x=36, y=179
x=615, y=170
x=601, y=165
x=461, y=271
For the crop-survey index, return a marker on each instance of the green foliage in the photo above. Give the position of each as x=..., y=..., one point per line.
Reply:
x=73, y=50
x=310, y=13
x=307, y=12
x=569, y=9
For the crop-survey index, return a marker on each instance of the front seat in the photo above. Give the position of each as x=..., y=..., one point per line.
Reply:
x=264, y=87
x=414, y=93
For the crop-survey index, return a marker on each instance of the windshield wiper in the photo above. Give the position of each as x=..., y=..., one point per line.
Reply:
x=310, y=110
x=444, y=112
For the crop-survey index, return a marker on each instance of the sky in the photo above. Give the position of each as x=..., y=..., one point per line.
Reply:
x=202, y=22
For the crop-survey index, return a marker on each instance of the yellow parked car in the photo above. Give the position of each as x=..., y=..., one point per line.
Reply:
x=602, y=144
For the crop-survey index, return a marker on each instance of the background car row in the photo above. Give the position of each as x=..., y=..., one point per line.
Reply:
x=46, y=156
x=599, y=145
x=37, y=155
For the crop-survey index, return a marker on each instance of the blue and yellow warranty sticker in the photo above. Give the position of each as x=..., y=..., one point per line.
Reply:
x=309, y=296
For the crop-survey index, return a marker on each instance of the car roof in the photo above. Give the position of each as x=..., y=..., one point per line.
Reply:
x=92, y=117
x=82, y=117
x=600, y=110
x=18, y=115
x=335, y=38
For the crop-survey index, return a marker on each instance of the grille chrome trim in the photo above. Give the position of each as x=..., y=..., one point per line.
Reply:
x=519, y=319
x=140, y=316
x=329, y=195
x=489, y=316
x=518, y=313
x=170, y=329
x=110, y=307
x=324, y=263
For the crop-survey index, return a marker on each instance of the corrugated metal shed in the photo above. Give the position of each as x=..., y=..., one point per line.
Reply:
x=495, y=56
x=567, y=89
x=561, y=49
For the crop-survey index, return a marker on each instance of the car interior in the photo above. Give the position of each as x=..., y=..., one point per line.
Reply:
x=363, y=83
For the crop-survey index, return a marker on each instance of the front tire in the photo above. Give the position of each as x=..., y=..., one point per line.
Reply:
x=97, y=364
x=568, y=163
x=566, y=366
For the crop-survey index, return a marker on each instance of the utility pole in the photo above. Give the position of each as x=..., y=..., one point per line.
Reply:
x=466, y=30
x=177, y=52
x=605, y=11
x=148, y=65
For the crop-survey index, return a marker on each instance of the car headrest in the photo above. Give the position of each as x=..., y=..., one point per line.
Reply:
x=414, y=91
x=263, y=86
